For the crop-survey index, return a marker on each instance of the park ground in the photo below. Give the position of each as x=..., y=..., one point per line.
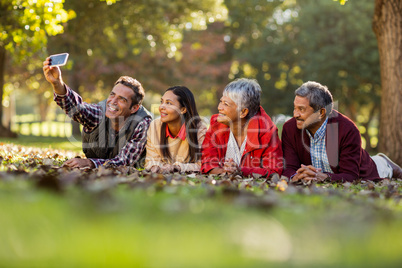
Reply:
x=52, y=216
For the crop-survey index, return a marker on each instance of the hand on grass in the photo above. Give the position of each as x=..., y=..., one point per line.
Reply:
x=309, y=173
x=230, y=166
x=79, y=163
x=154, y=169
x=165, y=168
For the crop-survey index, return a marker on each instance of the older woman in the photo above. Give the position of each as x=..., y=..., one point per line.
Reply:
x=242, y=137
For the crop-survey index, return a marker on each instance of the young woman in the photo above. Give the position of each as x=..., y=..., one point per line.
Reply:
x=174, y=140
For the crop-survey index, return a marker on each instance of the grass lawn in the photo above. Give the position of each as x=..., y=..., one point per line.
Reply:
x=70, y=144
x=55, y=217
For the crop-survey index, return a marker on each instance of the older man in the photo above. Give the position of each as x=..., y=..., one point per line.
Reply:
x=114, y=130
x=320, y=143
x=242, y=137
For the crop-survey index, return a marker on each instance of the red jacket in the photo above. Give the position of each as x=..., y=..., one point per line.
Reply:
x=263, y=152
x=348, y=160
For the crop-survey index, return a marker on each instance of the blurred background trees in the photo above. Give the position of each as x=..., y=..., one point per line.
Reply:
x=387, y=25
x=24, y=28
x=201, y=44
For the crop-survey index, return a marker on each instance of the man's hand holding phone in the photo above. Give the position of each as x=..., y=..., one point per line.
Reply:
x=52, y=72
x=58, y=59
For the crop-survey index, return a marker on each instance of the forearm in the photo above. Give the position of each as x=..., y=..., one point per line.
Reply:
x=121, y=159
x=152, y=163
x=131, y=152
x=59, y=87
x=289, y=172
x=341, y=177
x=217, y=171
x=291, y=159
x=210, y=162
x=126, y=156
x=247, y=171
x=88, y=115
x=188, y=167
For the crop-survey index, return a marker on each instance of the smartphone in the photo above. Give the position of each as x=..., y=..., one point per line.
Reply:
x=58, y=59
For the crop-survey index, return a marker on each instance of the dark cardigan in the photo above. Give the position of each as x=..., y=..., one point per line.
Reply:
x=348, y=160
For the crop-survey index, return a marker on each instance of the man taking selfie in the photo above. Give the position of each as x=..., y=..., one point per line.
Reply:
x=114, y=130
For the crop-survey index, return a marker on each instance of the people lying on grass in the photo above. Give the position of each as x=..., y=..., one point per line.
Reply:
x=174, y=139
x=319, y=143
x=114, y=130
x=241, y=139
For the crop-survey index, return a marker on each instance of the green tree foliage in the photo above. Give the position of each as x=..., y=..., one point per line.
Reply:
x=336, y=46
x=106, y=41
x=211, y=58
x=25, y=25
x=387, y=26
x=24, y=28
x=248, y=26
x=342, y=2
x=201, y=67
x=310, y=40
x=280, y=43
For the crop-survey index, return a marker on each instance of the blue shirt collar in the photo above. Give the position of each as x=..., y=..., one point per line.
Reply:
x=320, y=133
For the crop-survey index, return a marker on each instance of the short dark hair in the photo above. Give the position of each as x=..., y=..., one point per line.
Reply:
x=136, y=86
x=318, y=95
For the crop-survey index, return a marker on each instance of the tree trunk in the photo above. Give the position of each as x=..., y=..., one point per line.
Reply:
x=43, y=107
x=4, y=131
x=387, y=25
x=2, y=73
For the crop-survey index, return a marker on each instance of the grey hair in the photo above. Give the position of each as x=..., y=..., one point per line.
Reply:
x=318, y=96
x=246, y=93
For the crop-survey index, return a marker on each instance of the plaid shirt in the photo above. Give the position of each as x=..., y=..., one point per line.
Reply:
x=318, y=152
x=90, y=115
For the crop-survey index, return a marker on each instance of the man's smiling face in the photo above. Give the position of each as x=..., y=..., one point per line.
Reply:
x=119, y=102
x=306, y=117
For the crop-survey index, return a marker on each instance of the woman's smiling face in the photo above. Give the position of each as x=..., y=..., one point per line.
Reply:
x=228, y=112
x=170, y=108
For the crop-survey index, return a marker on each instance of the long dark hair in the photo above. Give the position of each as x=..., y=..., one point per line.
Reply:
x=190, y=118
